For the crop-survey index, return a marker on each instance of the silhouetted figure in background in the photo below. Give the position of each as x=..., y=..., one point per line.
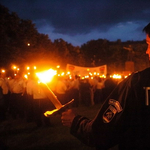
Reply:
x=109, y=85
x=98, y=94
x=85, y=92
x=73, y=91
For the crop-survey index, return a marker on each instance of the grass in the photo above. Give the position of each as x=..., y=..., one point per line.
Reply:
x=20, y=135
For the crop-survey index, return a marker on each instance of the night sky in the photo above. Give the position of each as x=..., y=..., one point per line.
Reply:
x=79, y=21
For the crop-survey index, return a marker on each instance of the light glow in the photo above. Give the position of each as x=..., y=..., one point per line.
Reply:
x=28, y=68
x=48, y=113
x=57, y=66
x=3, y=71
x=46, y=76
x=14, y=67
x=26, y=76
x=68, y=72
x=117, y=76
x=62, y=74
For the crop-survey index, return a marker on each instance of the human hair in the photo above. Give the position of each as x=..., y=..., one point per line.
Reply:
x=146, y=29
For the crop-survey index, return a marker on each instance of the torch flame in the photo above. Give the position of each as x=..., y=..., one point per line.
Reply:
x=46, y=76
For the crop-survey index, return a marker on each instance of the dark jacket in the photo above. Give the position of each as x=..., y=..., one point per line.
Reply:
x=124, y=118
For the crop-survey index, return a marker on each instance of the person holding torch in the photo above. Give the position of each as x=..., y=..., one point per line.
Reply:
x=124, y=118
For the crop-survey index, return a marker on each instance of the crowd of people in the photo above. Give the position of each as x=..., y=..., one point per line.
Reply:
x=25, y=98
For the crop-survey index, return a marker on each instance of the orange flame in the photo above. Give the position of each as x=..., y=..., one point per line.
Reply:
x=46, y=76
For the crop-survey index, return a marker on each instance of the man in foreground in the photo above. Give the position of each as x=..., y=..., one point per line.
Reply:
x=124, y=118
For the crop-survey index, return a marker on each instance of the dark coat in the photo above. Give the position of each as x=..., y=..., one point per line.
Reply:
x=124, y=118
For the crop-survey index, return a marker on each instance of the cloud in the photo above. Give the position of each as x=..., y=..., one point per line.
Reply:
x=76, y=18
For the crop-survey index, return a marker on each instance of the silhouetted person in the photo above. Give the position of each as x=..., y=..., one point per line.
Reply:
x=109, y=85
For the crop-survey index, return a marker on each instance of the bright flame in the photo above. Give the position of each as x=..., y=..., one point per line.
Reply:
x=62, y=74
x=82, y=78
x=34, y=67
x=116, y=76
x=14, y=67
x=68, y=72
x=103, y=76
x=57, y=66
x=87, y=76
x=46, y=76
x=26, y=76
x=28, y=68
x=90, y=73
x=3, y=71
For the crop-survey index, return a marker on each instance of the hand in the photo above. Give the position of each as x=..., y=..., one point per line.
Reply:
x=67, y=117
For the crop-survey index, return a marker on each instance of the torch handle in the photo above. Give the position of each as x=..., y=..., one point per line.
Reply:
x=63, y=108
x=51, y=96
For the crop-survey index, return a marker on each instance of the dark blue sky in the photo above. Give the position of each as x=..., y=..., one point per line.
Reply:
x=79, y=21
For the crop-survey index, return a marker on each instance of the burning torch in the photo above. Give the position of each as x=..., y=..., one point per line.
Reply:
x=46, y=77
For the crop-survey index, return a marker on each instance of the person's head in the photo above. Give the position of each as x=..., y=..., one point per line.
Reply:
x=147, y=31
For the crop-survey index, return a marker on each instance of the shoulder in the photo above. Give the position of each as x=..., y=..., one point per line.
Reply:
x=141, y=76
x=145, y=72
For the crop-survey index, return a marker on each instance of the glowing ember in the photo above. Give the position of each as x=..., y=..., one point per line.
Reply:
x=48, y=113
x=116, y=76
